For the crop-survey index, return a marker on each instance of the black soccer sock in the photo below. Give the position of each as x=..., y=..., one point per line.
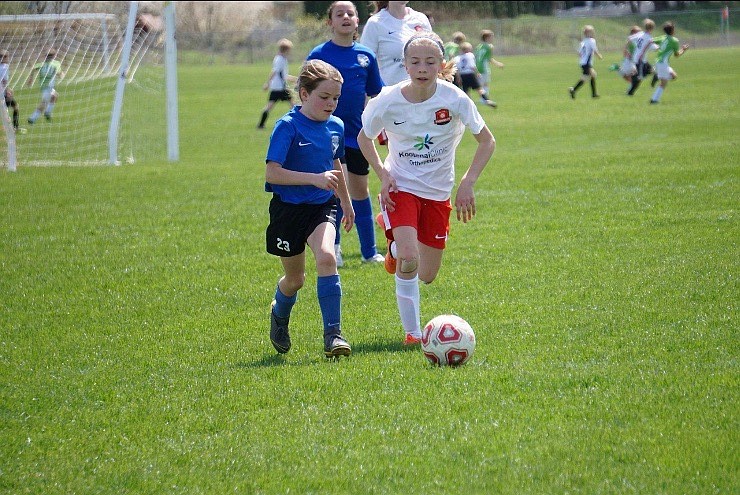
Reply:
x=655, y=80
x=635, y=84
x=16, y=117
x=263, y=119
x=593, y=87
x=580, y=83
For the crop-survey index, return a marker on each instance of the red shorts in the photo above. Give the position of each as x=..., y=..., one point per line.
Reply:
x=430, y=218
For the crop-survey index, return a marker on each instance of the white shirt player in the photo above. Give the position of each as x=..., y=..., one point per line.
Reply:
x=4, y=74
x=465, y=63
x=386, y=36
x=422, y=137
x=586, y=51
x=642, y=42
x=280, y=73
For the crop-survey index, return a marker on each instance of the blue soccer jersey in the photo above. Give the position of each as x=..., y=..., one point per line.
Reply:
x=359, y=69
x=304, y=145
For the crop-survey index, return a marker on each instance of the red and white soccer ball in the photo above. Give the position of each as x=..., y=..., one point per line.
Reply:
x=447, y=340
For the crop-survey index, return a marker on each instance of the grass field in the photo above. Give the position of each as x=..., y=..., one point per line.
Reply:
x=600, y=276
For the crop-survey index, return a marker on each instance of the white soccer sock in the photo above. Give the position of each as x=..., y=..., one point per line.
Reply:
x=49, y=108
x=407, y=296
x=658, y=93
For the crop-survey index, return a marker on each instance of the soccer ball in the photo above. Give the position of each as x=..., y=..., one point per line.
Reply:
x=447, y=340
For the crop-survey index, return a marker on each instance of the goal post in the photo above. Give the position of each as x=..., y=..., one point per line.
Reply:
x=90, y=118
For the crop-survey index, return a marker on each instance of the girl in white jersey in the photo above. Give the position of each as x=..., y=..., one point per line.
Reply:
x=425, y=118
x=386, y=32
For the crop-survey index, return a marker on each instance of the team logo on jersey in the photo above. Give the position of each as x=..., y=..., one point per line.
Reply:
x=423, y=142
x=363, y=60
x=442, y=116
x=334, y=143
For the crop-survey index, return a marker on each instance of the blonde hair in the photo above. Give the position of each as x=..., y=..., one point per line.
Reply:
x=486, y=33
x=314, y=72
x=649, y=24
x=447, y=69
x=635, y=29
x=284, y=45
x=458, y=37
x=588, y=29
x=466, y=47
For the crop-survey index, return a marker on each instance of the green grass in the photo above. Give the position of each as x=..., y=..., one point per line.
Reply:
x=600, y=276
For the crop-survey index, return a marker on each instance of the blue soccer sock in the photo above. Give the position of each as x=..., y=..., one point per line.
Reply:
x=283, y=303
x=329, y=292
x=365, y=224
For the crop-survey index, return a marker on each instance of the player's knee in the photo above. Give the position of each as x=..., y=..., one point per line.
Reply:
x=293, y=283
x=326, y=261
x=409, y=265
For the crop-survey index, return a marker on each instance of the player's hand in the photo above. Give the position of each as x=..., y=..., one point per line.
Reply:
x=264, y=87
x=348, y=216
x=499, y=65
x=387, y=186
x=465, y=202
x=685, y=47
x=328, y=180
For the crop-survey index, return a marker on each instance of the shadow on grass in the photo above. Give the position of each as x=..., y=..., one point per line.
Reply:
x=271, y=360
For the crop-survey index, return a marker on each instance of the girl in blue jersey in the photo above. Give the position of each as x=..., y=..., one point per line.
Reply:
x=304, y=175
x=359, y=68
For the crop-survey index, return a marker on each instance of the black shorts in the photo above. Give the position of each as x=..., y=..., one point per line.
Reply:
x=586, y=68
x=644, y=69
x=355, y=161
x=281, y=95
x=292, y=224
x=469, y=81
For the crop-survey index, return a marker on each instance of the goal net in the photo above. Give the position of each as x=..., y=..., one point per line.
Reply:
x=76, y=121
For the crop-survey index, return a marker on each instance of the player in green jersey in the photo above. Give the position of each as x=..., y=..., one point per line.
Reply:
x=48, y=72
x=484, y=59
x=667, y=46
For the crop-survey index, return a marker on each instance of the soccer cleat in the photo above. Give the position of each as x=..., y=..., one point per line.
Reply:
x=337, y=346
x=411, y=340
x=31, y=121
x=572, y=93
x=279, y=335
x=491, y=103
x=594, y=96
x=48, y=117
x=654, y=102
x=338, y=255
x=389, y=261
x=376, y=258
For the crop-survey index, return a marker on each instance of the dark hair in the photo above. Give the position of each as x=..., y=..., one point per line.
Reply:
x=668, y=28
x=331, y=9
x=378, y=6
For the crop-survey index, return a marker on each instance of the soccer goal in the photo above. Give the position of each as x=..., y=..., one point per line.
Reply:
x=114, y=89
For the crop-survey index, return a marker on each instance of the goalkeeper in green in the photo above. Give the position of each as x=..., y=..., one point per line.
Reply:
x=48, y=72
